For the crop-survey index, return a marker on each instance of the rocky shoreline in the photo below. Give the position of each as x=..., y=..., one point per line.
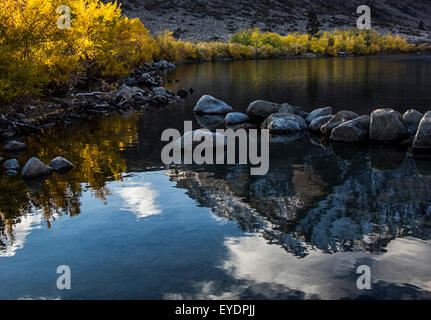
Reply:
x=139, y=91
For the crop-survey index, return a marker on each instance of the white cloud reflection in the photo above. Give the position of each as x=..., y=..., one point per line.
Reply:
x=257, y=267
x=139, y=198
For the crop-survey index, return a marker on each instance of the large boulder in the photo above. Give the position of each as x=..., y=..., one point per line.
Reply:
x=287, y=108
x=235, y=118
x=210, y=105
x=11, y=164
x=61, y=164
x=35, y=168
x=284, y=123
x=355, y=130
x=318, y=122
x=14, y=146
x=387, y=125
x=259, y=110
x=422, y=140
x=339, y=118
x=326, y=111
x=412, y=119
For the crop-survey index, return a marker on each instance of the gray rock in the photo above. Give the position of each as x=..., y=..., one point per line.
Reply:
x=339, y=118
x=387, y=125
x=14, y=146
x=259, y=110
x=35, y=168
x=210, y=105
x=61, y=164
x=284, y=123
x=235, y=118
x=355, y=130
x=412, y=119
x=287, y=108
x=318, y=122
x=326, y=111
x=246, y=126
x=163, y=64
x=10, y=173
x=11, y=164
x=422, y=140
x=161, y=91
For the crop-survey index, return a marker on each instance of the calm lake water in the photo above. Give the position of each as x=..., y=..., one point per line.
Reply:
x=130, y=228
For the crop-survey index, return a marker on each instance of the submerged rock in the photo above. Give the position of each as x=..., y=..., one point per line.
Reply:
x=318, y=122
x=287, y=108
x=259, y=110
x=284, y=123
x=14, y=146
x=412, y=118
x=355, y=130
x=11, y=164
x=422, y=140
x=326, y=111
x=210, y=105
x=339, y=118
x=387, y=125
x=35, y=168
x=235, y=118
x=61, y=164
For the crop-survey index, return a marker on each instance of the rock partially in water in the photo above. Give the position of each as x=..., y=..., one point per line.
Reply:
x=326, y=111
x=210, y=105
x=35, y=168
x=412, y=118
x=287, y=108
x=355, y=130
x=210, y=121
x=318, y=122
x=163, y=64
x=10, y=173
x=422, y=140
x=246, y=126
x=387, y=125
x=284, y=123
x=11, y=164
x=339, y=118
x=235, y=118
x=61, y=164
x=259, y=110
x=14, y=146
x=161, y=91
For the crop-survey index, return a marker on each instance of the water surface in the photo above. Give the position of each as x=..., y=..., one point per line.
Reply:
x=131, y=228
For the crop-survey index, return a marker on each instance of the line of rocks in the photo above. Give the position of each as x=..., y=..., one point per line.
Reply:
x=33, y=168
x=383, y=125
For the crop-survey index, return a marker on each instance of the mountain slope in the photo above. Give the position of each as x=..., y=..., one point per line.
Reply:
x=218, y=19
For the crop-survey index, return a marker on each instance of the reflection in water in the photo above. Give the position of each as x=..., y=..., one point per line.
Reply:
x=322, y=209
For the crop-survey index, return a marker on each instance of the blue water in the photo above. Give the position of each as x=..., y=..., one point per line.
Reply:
x=130, y=228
